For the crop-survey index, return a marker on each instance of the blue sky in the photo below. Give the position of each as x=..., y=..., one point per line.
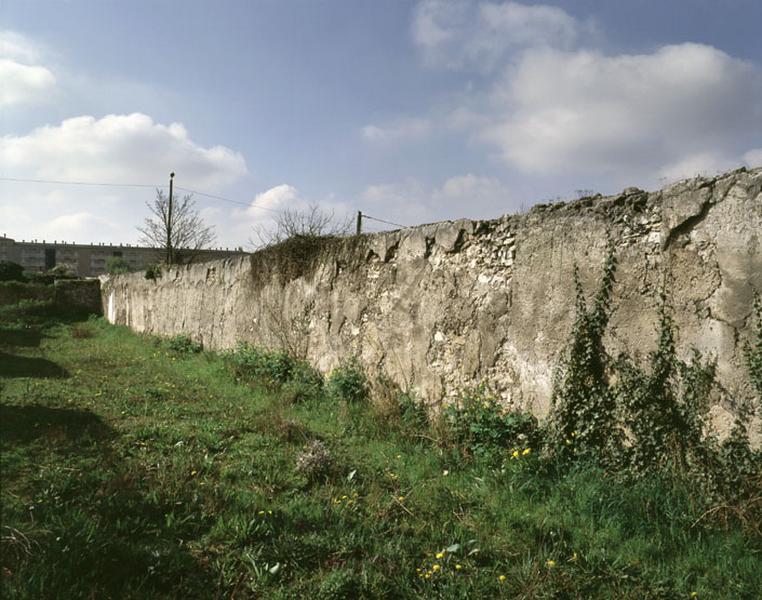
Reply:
x=412, y=111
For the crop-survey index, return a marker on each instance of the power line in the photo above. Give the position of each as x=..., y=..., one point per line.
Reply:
x=56, y=182
x=364, y=216
x=247, y=204
x=184, y=189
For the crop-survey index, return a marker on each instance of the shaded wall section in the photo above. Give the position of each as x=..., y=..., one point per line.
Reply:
x=442, y=306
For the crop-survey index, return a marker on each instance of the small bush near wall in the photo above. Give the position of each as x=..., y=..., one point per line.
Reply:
x=485, y=429
x=11, y=271
x=275, y=369
x=184, y=344
x=348, y=383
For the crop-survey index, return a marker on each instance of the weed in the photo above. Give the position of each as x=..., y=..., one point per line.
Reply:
x=486, y=430
x=315, y=461
x=348, y=383
x=184, y=344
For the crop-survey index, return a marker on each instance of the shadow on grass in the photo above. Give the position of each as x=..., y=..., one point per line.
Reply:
x=26, y=366
x=99, y=531
x=20, y=337
x=22, y=424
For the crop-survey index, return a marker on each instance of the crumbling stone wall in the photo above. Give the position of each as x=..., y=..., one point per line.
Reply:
x=442, y=306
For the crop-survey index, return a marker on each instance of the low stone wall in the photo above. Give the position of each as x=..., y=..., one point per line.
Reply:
x=447, y=305
x=75, y=294
x=84, y=294
x=13, y=292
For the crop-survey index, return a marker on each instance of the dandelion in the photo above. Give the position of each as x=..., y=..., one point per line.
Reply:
x=261, y=512
x=193, y=472
x=502, y=578
x=694, y=594
x=550, y=563
x=568, y=442
x=440, y=555
x=526, y=451
x=401, y=498
x=515, y=454
x=435, y=568
x=445, y=473
x=458, y=567
x=574, y=556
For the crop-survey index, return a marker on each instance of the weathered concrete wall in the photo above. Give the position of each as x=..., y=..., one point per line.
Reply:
x=442, y=306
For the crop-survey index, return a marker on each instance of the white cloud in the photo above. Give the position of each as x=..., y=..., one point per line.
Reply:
x=258, y=222
x=753, y=158
x=76, y=226
x=680, y=108
x=119, y=148
x=460, y=33
x=278, y=198
x=398, y=130
x=550, y=106
x=19, y=47
x=23, y=82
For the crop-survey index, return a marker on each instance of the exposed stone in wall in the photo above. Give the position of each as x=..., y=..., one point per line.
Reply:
x=443, y=306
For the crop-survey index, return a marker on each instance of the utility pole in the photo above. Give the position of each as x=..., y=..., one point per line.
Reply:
x=359, y=222
x=170, y=258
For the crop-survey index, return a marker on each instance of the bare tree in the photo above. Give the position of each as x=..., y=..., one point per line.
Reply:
x=183, y=236
x=309, y=223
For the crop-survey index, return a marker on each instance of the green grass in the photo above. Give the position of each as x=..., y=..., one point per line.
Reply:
x=132, y=471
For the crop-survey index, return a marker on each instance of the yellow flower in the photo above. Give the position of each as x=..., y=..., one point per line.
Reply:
x=550, y=563
x=428, y=575
x=526, y=451
x=501, y=579
x=435, y=567
x=261, y=512
x=458, y=567
x=440, y=555
x=515, y=454
x=568, y=442
x=694, y=594
x=574, y=556
x=401, y=498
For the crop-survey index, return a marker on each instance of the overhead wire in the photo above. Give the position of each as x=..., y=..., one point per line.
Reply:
x=180, y=188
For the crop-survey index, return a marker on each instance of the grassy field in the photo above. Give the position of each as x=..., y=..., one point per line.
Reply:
x=131, y=470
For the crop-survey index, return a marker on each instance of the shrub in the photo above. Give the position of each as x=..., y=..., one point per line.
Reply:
x=348, y=382
x=153, y=272
x=485, y=429
x=116, y=265
x=276, y=368
x=11, y=271
x=184, y=344
x=271, y=368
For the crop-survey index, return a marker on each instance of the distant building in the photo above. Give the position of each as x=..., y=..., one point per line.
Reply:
x=87, y=260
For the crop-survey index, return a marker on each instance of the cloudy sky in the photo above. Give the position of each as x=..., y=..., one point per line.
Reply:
x=412, y=111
